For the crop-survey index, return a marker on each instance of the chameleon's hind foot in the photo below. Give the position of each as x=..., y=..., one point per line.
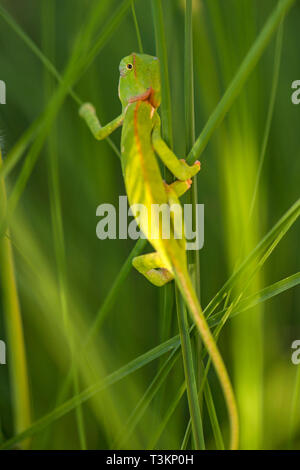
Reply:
x=187, y=170
x=152, y=267
x=179, y=187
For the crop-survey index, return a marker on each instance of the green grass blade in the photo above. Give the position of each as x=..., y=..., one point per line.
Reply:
x=161, y=51
x=137, y=29
x=189, y=372
x=33, y=47
x=276, y=69
x=111, y=379
x=259, y=297
x=114, y=291
x=168, y=414
x=14, y=330
x=19, y=149
x=213, y=416
x=240, y=78
x=48, y=35
x=105, y=35
x=145, y=401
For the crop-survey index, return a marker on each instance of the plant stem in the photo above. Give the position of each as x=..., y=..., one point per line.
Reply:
x=189, y=372
x=189, y=102
x=14, y=329
x=137, y=29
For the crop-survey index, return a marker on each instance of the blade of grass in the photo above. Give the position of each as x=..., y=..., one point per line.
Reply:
x=168, y=414
x=137, y=29
x=113, y=293
x=213, y=416
x=161, y=51
x=240, y=78
x=105, y=308
x=168, y=135
x=105, y=35
x=111, y=379
x=145, y=401
x=48, y=35
x=28, y=41
x=261, y=296
x=167, y=293
x=190, y=378
x=14, y=330
x=276, y=70
x=193, y=258
x=19, y=149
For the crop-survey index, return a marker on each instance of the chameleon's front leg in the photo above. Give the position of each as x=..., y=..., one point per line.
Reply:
x=88, y=113
x=179, y=168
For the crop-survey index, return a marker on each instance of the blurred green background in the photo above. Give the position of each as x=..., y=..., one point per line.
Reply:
x=64, y=272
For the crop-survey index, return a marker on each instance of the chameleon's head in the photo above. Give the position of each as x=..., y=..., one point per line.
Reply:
x=139, y=79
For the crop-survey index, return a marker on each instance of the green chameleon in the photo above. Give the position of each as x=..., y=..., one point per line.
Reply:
x=140, y=95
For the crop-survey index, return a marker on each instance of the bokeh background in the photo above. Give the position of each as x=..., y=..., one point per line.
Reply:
x=64, y=273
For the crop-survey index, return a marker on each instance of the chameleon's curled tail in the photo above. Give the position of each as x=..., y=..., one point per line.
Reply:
x=186, y=288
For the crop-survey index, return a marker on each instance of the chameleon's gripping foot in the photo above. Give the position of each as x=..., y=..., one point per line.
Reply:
x=179, y=187
x=86, y=109
x=188, y=170
x=152, y=267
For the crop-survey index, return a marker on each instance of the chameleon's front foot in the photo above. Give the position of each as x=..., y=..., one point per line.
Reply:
x=86, y=109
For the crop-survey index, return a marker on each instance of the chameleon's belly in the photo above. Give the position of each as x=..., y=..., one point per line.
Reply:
x=143, y=181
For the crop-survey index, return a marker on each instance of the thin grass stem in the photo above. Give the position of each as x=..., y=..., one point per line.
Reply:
x=19, y=380
x=137, y=29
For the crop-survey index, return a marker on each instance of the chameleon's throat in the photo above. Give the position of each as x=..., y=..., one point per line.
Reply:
x=146, y=96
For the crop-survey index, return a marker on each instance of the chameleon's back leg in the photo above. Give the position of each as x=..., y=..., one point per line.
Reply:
x=151, y=265
x=153, y=268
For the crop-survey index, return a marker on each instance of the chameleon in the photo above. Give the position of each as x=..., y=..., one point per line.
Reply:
x=141, y=145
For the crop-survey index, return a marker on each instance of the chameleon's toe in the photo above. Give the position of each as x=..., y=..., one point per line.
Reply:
x=196, y=167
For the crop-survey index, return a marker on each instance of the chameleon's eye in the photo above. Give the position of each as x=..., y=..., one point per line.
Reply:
x=129, y=66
